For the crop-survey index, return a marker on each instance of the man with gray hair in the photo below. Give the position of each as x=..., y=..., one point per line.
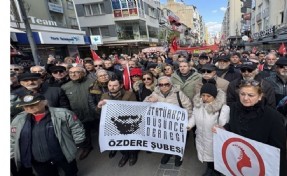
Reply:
x=77, y=90
x=269, y=68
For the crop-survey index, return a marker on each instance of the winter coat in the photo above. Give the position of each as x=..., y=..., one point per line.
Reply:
x=204, y=117
x=220, y=84
x=268, y=91
x=172, y=98
x=68, y=129
x=260, y=123
x=230, y=74
x=55, y=95
x=78, y=93
x=280, y=88
x=187, y=87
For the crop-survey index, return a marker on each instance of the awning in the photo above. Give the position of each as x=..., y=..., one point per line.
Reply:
x=16, y=30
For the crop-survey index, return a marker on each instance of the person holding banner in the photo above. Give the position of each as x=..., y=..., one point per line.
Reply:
x=209, y=109
x=253, y=119
x=117, y=92
x=169, y=93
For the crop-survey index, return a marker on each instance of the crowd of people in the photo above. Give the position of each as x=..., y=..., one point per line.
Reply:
x=55, y=107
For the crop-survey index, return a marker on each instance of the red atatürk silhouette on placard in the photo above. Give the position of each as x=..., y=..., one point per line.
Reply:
x=243, y=160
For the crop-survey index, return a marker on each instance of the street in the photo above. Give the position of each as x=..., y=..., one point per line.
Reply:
x=148, y=164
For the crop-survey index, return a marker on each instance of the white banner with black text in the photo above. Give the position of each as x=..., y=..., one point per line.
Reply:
x=156, y=127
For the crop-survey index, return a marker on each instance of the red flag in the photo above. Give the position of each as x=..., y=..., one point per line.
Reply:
x=126, y=78
x=174, y=44
x=77, y=59
x=282, y=49
x=95, y=56
x=254, y=49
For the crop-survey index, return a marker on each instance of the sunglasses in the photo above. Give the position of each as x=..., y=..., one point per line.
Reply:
x=206, y=71
x=243, y=70
x=250, y=82
x=15, y=69
x=282, y=66
x=164, y=85
x=98, y=65
x=60, y=71
x=135, y=76
x=144, y=79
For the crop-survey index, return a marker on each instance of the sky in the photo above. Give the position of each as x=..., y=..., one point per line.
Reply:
x=212, y=12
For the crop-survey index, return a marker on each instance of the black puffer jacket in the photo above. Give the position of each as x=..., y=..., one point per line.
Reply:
x=260, y=123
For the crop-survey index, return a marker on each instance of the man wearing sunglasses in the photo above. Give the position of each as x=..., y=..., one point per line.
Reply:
x=59, y=76
x=279, y=81
x=208, y=72
x=249, y=71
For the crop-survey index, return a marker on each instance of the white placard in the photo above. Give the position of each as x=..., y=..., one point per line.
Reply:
x=237, y=155
x=96, y=39
x=156, y=127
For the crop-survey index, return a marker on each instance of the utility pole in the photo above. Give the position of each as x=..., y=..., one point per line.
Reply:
x=29, y=32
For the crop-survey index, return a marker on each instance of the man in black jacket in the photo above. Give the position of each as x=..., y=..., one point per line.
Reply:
x=225, y=69
x=249, y=71
x=32, y=82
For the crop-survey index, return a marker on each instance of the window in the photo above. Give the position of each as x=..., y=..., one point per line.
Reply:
x=152, y=12
x=94, y=9
x=70, y=5
x=103, y=31
x=73, y=21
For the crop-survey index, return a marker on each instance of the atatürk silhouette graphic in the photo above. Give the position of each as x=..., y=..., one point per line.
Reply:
x=127, y=124
x=243, y=160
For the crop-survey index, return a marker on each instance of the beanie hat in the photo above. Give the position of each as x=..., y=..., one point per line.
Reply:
x=209, y=88
x=136, y=71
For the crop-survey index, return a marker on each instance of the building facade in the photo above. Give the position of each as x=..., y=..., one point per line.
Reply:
x=54, y=25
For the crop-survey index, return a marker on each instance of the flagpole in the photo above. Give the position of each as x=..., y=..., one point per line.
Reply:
x=129, y=75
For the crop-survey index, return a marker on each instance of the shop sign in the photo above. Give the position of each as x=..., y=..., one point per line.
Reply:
x=59, y=38
x=264, y=33
x=35, y=20
x=117, y=13
x=96, y=39
x=55, y=7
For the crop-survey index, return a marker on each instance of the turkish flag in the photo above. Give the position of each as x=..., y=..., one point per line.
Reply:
x=282, y=49
x=126, y=78
x=174, y=44
x=77, y=59
x=95, y=56
x=254, y=49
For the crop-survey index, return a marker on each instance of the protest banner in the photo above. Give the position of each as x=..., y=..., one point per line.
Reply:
x=156, y=127
x=237, y=155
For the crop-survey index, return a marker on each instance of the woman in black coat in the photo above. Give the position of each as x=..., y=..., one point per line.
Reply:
x=253, y=119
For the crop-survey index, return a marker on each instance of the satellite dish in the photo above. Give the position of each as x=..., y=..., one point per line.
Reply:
x=245, y=38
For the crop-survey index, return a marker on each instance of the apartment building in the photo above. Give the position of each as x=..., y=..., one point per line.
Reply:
x=123, y=26
x=54, y=26
x=268, y=24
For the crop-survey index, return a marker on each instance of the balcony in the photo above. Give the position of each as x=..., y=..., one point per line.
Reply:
x=258, y=17
x=265, y=13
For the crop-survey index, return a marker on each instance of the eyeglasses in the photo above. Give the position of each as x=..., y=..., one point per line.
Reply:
x=59, y=71
x=282, y=66
x=164, y=85
x=135, y=76
x=98, y=65
x=205, y=71
x=144, y=79
x=75, y=72
x=243, y=70
x=250, y=82
x=103, y=75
